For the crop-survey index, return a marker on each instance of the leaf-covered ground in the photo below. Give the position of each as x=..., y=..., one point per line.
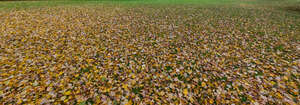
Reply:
x=149, y=54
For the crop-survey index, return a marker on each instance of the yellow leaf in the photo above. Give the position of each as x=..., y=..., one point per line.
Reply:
x=133, y=76
x=211, y=101
x=19, y=101
x=185, y=91
x=272, y=82
x=98, y=101
x=162, y=93
x=66, y=100
x=89, y=60
x=129, y=102
x=203, y=84
x=76, y=75
x=279, y=95
x=106, y=90
x=257, y=62
x=125, y=86
x=63, y=98
x=293, y=84
x=191, y=99
x=1, y=92
x=285, y=78
x=68, y=92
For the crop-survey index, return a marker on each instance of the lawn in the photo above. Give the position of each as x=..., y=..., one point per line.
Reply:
x=150, y=52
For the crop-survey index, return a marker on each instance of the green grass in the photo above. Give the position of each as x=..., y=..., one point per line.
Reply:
x=260, y=3
x=289, y=6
